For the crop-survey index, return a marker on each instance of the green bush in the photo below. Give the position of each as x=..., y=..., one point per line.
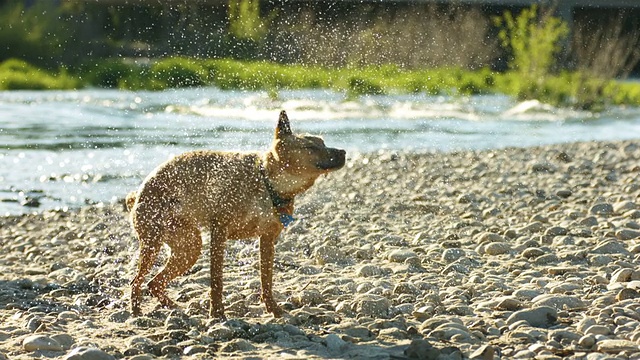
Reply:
x=533, y=40
x=110, y=73
x=179, y=72
x=17, y=74
x=363, y=86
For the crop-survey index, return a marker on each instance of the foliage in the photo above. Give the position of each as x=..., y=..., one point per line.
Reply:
x=19, y=75
x=566, y=88
x=179, y=72
x=534, y=40
x=37, y=34
x=109, y=73
x=245, y=21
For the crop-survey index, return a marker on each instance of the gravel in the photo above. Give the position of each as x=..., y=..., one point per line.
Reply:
x=519, y=252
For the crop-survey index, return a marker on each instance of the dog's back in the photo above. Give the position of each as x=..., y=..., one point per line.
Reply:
x=201, y=187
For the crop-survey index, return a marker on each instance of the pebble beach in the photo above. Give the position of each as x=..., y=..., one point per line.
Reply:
x=528, y=253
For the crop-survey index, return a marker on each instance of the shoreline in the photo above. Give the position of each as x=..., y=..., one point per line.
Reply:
x=524, y=252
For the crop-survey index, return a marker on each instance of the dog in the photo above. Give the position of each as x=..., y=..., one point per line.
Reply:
x=233, y=196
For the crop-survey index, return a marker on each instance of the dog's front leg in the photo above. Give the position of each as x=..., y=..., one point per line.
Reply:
x=218, y=241
x=267, y=254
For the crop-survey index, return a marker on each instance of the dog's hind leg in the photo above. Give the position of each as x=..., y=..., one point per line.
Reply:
x=186, y=245
x=148, y=252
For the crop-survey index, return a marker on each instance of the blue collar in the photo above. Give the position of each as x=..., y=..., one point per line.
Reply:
x=286, y=219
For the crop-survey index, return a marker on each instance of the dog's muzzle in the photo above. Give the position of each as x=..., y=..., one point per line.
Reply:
x=335, y=160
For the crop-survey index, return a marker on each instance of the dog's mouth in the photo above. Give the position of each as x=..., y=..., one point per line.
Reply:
x=334, y=161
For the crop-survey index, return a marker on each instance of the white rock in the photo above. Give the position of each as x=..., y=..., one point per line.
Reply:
x=497, y=248
x=335, y=344
x=400, y=255
x=543, y=316
x=611, y=346
x=88, y=353
x=559, y=302
x=41, y=342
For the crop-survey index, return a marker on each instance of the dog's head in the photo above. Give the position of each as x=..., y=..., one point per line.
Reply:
x=302, y=155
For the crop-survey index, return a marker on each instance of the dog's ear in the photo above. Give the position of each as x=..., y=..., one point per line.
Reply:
x=284, y=127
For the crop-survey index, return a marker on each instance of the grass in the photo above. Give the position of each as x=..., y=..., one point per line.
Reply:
x=19, y=75
x=564, y=89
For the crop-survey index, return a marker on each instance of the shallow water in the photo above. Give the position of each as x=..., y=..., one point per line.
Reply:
x=69, y=148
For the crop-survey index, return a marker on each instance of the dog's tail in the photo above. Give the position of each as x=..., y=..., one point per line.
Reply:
x=130, y=200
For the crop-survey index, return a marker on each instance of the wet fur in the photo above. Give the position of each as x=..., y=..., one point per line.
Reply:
x=231, y=195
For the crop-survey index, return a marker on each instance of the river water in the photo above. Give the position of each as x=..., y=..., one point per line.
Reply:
x=62, y=149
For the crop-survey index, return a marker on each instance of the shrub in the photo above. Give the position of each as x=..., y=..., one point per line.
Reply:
x=534, y=41
x=179, y=72
x=363, y=86
x=19, y=75
x=110, y=73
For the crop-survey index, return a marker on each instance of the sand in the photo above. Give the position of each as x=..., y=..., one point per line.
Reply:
x=527, y=253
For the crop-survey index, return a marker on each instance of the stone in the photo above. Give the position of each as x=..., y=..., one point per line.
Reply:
x=328, y=254
x=585, y=323
x=120, y=316
x=556, y=231
x=587, y=341
x=621, y=275
x=489, y=237
x=41, y=342
x=194, y=349
x=546, y=259
x=88, y=353
x=509, y=304
x=372, y=305
x=627, y=294
x=497, y=248
x=237, y=345
x=614, y=346
x=604, y=209
x=623, y=206
x=171, y=351
x=598, y=330
x=335, y=344
x=309, y=297
x=542, y=316
x=65, y=340
x=534, y=227
x=484, y=352
x=534, y=252
x=627, y=234
x=369, y=270
x=400, y=255
x=610, y=247
x=559, y=302
x=421, y=349
x=423, y=313
x=452, y=254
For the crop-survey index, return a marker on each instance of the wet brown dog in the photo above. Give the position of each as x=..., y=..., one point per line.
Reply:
x=234, y=196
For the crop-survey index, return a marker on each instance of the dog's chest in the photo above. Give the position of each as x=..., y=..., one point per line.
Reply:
x=251, y=223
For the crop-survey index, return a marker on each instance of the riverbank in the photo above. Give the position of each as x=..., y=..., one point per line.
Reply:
x=526, y=252
x=565, y=90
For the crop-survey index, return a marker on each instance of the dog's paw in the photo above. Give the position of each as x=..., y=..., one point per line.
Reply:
x=274, y=309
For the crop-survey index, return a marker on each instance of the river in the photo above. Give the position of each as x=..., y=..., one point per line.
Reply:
x=61, y=149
